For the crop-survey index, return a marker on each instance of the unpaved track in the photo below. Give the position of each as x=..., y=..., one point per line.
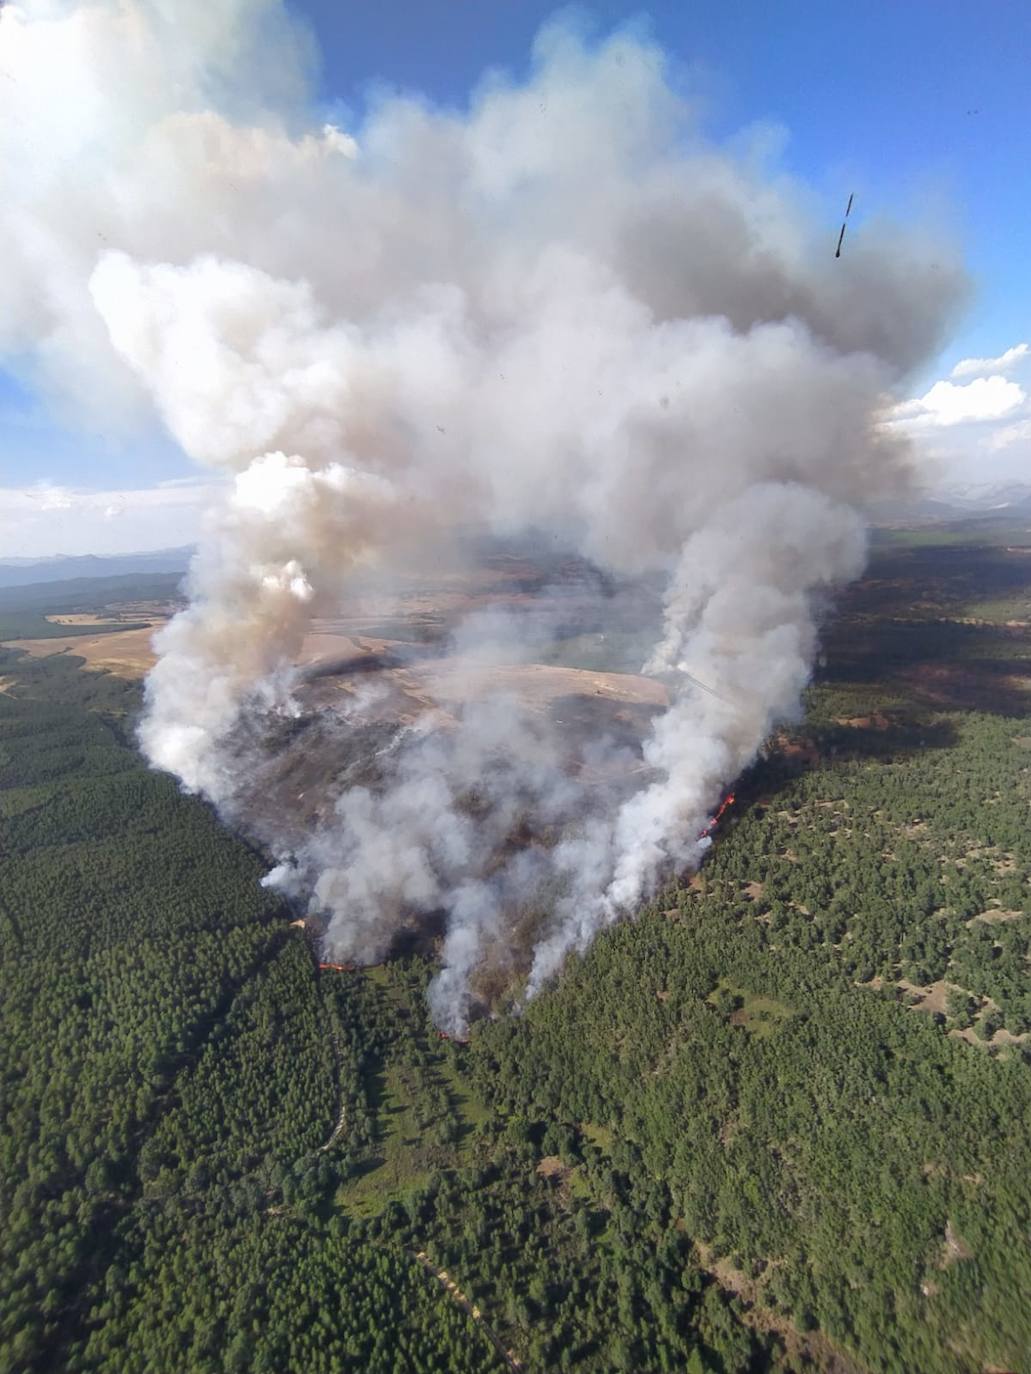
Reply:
x=457, y=1296
x=341, y=1122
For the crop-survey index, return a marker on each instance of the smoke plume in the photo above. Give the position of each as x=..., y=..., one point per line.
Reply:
x=558, y=309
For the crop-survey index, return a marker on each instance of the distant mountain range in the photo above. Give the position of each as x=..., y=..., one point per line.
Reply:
x=971, y=501
x=23, y=572
x=985, y=497
x=975, y=501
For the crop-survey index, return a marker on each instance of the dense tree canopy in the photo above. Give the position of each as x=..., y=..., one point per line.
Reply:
x=781, y=1121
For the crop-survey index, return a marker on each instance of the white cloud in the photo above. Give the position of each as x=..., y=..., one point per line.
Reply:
x=1010, y=435
x=49, y=497
x=46, y=519
x=979, y=429
x=975, y=367
x=946, y=404
x=339, y=141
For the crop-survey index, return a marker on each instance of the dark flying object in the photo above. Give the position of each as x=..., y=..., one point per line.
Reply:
x=841, y=236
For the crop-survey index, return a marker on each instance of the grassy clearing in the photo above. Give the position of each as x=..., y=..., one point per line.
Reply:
x=397, y=1165
x=15, y=801
x=426, y=1118
x=471, y=1112
x=598, y=1135
x=762, y=1016
x=1001, y=610
x=372, y=1193
x=379, y=974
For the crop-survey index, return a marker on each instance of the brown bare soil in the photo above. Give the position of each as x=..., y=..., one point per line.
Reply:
x=551, y=1166
x=467, y=1305
x=441, y=680
x=932, y=998
x=802, y=750
x=876, y=721
x=808, y=1347
x=954, y=1247
x=126, y=653
x=1001, y=1037
x=451, y=679
x=329, y=647
x=996, y=916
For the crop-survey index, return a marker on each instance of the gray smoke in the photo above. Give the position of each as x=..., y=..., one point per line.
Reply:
x=559, y=308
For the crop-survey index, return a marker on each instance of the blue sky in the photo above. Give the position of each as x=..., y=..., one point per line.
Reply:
x=919, y=108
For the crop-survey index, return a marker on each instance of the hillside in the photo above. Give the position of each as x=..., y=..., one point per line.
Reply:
x=780, y=1122
x=22, y=572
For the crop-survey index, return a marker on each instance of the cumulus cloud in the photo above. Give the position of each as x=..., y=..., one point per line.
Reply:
x=48, y=497
x=975, y=430
x=975, y=367
x=46, y=518
x=945, y=404
x=1009, y=436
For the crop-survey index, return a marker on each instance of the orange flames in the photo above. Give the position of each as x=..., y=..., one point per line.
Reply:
x=727, y=801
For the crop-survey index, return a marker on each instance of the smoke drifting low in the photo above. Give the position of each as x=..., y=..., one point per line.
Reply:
x=559, y=309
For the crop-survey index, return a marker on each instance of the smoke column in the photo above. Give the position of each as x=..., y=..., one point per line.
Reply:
x=558, y=308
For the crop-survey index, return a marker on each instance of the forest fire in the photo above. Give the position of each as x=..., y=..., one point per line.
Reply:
x=725, y=804
x=368, y=410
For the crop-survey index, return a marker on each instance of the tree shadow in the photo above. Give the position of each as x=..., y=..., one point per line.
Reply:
x=822, y=746
x=367, y=1165
x=936, y=665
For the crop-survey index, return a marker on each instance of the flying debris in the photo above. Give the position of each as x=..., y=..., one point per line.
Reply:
x=841, y=236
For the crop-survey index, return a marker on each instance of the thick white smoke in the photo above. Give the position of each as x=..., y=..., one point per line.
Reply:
x=560, y=309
